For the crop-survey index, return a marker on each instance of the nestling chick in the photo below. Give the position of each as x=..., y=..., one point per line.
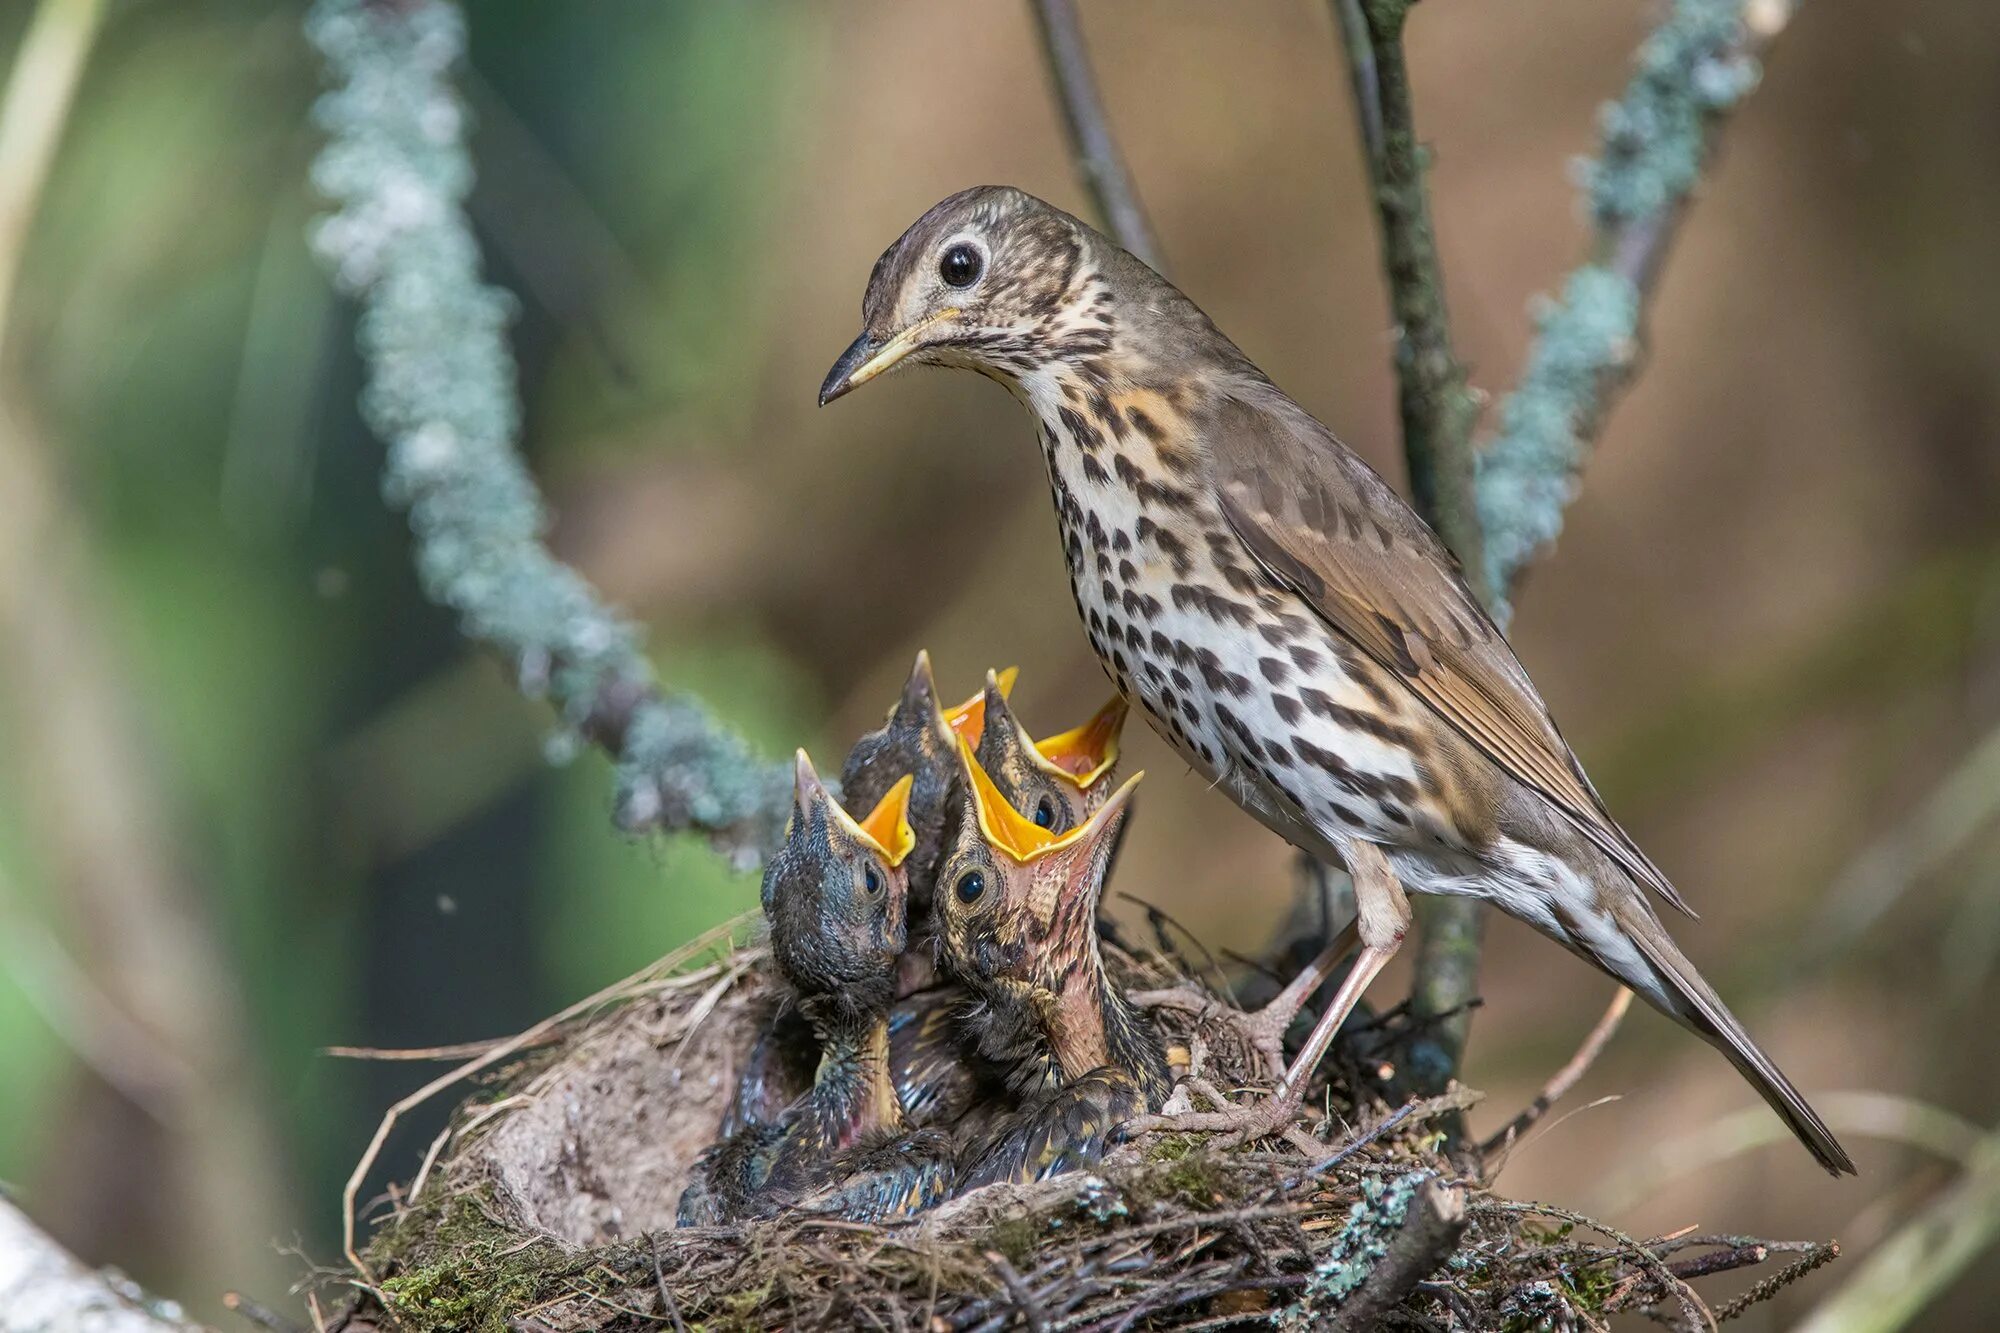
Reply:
x=836, y=894
x=1056, y=782
x=917, y=741
x=1017, y=908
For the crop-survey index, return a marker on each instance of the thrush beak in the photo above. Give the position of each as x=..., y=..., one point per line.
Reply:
x=865, y=358
x=920, y=699
x=1086, y=753
x=969, y=718
x=808, y=792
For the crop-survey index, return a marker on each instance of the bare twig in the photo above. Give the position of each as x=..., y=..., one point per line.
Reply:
x=1024, y=1300
x=668, y=1304
x=1098, y=160
x=263, y=1316
x=1431, y=1231
x=1565, y=1078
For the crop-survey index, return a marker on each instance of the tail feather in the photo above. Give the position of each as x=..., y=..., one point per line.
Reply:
x=1672, y=985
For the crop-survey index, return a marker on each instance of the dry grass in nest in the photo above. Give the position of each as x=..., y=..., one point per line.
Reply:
x=548, y=1206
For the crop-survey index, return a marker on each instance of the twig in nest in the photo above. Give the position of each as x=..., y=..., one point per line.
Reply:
x=668, y=1304
x=262, y=1316
x=1024, y=1300
x=1436, y=1222
x=1719, y=1261
x=1698, y=1314
x=1815, y=1257
x=1562, y=1080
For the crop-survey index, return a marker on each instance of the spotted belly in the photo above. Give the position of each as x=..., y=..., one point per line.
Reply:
x=1250, y=687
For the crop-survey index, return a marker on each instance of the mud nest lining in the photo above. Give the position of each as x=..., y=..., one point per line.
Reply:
x=548, y=1206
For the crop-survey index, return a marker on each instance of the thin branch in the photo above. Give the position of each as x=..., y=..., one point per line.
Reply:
x=1098, y=160
x=1696, y=67
x=1437, y=405
x=441, y=391
x=1565, y=1078
x=1438, y=408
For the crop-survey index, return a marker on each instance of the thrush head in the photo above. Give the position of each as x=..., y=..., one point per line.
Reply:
x=1017, y=903
x=1056, y=782
x=992, y=279
x=836, y=894
x=918, y=741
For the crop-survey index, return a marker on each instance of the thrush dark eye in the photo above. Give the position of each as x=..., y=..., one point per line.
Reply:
x=1045, y=813
x=961, y=265
x=871, y=880
x=970, y=885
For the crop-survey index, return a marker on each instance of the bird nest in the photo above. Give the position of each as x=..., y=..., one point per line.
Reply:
x=548, y=1205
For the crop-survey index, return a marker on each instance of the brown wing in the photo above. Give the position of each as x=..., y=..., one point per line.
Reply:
x=1320, y=521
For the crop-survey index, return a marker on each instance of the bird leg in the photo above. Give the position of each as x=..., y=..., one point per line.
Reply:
x=1382, y=918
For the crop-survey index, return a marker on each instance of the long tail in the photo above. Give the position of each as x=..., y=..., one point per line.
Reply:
x=1662, y=974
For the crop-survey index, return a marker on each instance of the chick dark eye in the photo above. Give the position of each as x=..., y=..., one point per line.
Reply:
x=871, y=880
x=970, y=885
x=1045, y=813
x=961, y=265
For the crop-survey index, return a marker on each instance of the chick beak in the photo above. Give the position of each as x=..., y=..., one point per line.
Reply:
x=1004, y=828
x=1098, y=837
x=866, y=357
x=1086, y=753
x=969, y=718
x=887, y=827
x=919, y=707
x=808, y=794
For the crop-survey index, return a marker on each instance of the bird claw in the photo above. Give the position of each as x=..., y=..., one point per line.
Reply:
x=1261, y=1031
x=1235, y=1122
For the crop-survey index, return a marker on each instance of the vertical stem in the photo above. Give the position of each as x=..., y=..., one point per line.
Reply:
x=1097, y=157
x=1438, y=409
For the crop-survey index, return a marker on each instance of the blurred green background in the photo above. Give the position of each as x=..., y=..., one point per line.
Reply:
x=258, y=798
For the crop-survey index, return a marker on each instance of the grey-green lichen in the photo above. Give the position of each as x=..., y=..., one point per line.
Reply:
x=441, y=390
x=1528, y=474
x=1693, y=68
x=1654, y=139
x=1372, y=1222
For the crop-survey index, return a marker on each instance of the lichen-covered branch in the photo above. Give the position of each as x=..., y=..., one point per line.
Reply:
x=1098, y=160
x=1693, y=70
x=441, y=392
x=1433, y=1225
x=1499, y=506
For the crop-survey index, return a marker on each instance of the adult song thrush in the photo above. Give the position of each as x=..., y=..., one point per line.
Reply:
x=1279, y=614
